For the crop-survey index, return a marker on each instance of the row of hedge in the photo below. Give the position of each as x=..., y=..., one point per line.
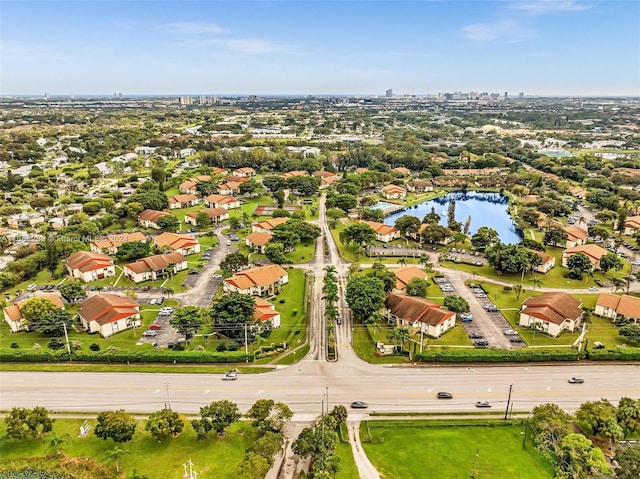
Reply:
x=155, y=356
x=525, y=355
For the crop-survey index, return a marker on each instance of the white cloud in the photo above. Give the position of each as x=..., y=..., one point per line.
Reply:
x=544, y=7
x=192, y=28
x=509, y=31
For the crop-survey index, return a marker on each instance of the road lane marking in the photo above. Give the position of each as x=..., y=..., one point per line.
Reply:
x=206, y=392
x=156, y=391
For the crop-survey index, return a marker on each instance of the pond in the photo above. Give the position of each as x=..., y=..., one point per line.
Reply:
x=485, y=209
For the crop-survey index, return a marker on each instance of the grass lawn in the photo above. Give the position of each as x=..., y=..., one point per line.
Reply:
x=348, y=469
x=452, y=452
x=212, y=458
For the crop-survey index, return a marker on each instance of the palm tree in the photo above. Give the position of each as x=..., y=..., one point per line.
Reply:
x=55, y=441
x=426, y=264
x=330, y=269
x=536, y=282
x=617, y=284
x=168, y=291
x=402, y=261
x=629, y=279
x=403, y=335
x=113, y=455
x=518, y=289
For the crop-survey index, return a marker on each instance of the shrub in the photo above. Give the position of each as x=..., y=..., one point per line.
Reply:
x=15, y=346
x=232, y=346
x=294, y=312
x=221, y=348
x=507, y=288
x=55, y=344
x=281, y=301
x=94, y=347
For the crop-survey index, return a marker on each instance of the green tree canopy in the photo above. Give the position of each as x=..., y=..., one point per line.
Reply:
x=365, y=296
x=23, y=423
x=164, y=424
x=133, y=250
x=456, y=304
x=117, y=425
x=72, y=291
x=216, y=416
x=417, y=287
x=269, y=416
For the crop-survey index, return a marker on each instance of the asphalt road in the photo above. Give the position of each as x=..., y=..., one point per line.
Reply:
x=304, y=386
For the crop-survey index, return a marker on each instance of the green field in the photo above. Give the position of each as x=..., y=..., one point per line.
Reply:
x=457, y=452
x=212, y=458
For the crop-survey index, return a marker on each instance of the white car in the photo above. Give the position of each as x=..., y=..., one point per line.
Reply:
x=593, y=288
x=230, y=376
x=510, y=332
x=150, y=333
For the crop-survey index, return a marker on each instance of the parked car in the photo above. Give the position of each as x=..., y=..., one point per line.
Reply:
x=483, y=404
x=230, y=376
x=155, y=326
x=32, y=287
x=476, y=336
x=445, y=395
x=515, y=339
x=490, y=307
x=150, y=333
x=593, y=288
x=466, y=317
x=576, y=380
x=359, y=405
x=510, y=332
x=194, y=271
x=481, y=343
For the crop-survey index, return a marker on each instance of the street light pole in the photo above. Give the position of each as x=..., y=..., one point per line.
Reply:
x=506, y=412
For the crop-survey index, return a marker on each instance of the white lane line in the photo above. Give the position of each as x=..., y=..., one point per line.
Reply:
x=156, y=391
x=206, y=392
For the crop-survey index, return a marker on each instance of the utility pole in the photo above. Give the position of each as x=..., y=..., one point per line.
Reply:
x=506, y=412
x=326, y=393
x=168, y=404
x=421, y=339
x=246, y=345
x=66, y=336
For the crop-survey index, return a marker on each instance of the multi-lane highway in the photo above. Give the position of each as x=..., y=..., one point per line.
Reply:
x=305, y=386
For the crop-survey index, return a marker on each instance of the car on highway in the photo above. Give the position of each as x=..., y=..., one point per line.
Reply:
x=155, y=326
x=150, y=333
x=359, y=405
x=445, y=395
x=230, y=376
x=476, y=336
x=483, y=404
x=576, y=380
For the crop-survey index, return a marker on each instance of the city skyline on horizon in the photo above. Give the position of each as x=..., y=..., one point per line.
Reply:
x=544, y=48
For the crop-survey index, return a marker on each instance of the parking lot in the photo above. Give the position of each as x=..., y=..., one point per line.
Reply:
x=484, y=325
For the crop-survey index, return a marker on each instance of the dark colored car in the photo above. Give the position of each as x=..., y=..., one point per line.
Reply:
x=515, y=339
x=476, y=336
x=359, y=405
x=445, y=395
x=481, y=343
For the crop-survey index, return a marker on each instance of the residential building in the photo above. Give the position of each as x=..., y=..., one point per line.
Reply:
x=575, y=236
x=149, y=218
x=267, y=225
x=548, y=262
x=13, y=314
x=109, y=244
x=323, y=174
x=613, y=307
x=327, y=181
x=552, y=313
x=188, y=186
x=632, y=225
x=291, y=174
x=182, y=201
x=89, y=266
x=216, y=214
x=246, y=172
x=178, y=243
x=154, y=267
x=393, y=192
x=412, y=312
x=257, y=240
x=361, y=170
x=231, y=188
x=402, y=170
x=406, y=274
x=260, y=281
x=222, y=201
x=25, y=220
x=593, y=252
x=265, y=312
x=419, y=186
x=108, y=314
x=384, y=233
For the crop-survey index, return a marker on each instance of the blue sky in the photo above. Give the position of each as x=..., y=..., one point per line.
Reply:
x=541, y=47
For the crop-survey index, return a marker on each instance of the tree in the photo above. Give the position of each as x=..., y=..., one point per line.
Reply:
x=187, y=320
x=339, y=413
x=234, y=262
x=133, y=250
x=168, y=223
x=56, y=440
x=358, y=233
x=91, y=207
x=335, y=213
x=610, y=261
x=203, y=220
x=555, y=236
x=630, y=331
x=417, y=287
x=275, y=253
x=407, y=222
x=231, y=312
x=280, y=213
x=518, y=289
x=159, y=175
x=435, y=233
x=371, y=214
x=114, y=455
x=456, y=304
x=484, y=238
x=253, y=466
x=551, y=425
x=599, y=418
x=163, y=424
x=387, y=277
x=628, y=414
x=628, y=459
x=622, y=218
x=365, y=295
x=578, y=459
x=287, y=238
x=269, y=416
x=345, y=202
x=216, y=416
x=53, y=323
x=133, y=209
x=117, y=425
x=467, y=226
x=249, y=187
x=432, y=217
x=451, y=214
x=23, y=423
x=579, y=264
x=35, y=308
x=150, y=200
x=72, y=291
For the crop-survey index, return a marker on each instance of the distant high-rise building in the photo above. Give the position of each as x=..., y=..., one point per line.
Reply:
x=389, y=93
x=46, y=96
x=185, y=100
x=521, y=94
x=506, y=95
